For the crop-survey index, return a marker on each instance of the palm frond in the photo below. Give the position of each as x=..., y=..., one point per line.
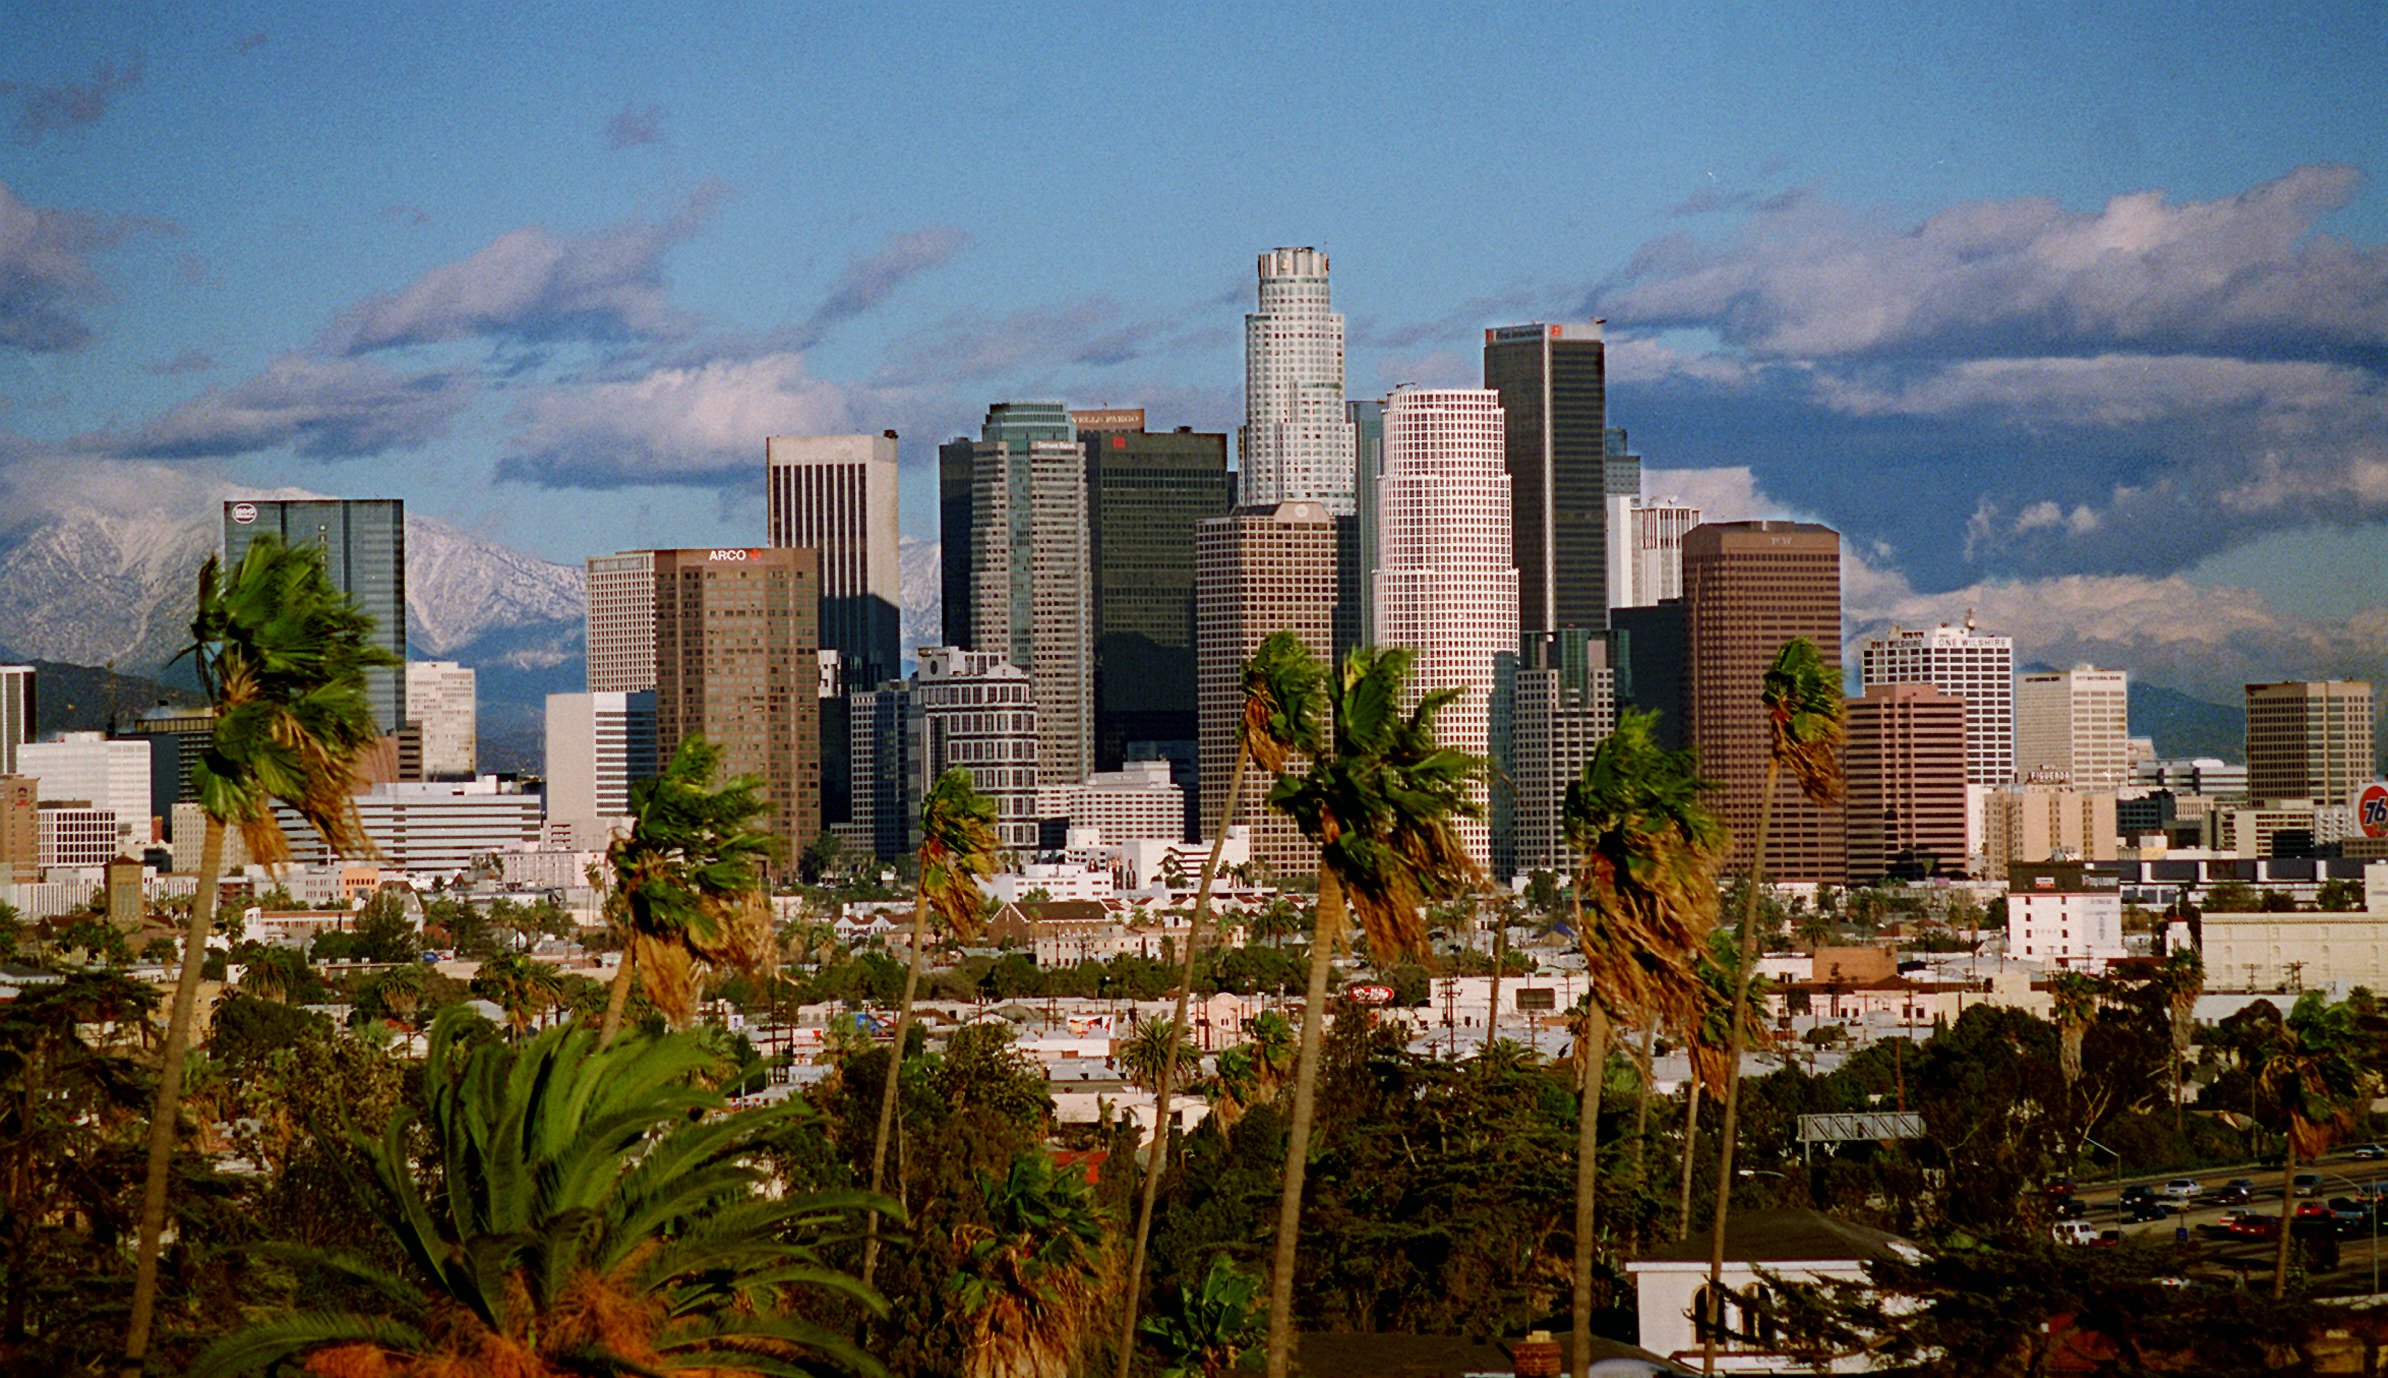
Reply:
x=1803, y=703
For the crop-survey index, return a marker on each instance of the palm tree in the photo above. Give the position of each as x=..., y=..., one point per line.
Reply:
x=1644, y=902
x=1281, y=684
x=2074, y=1004
x=2180, y=980
x=522, y=987
x=1381, y=801
x=1150, y=1055
x=2315, y=1082
x=1035, y=1274
x=958, y=846
x=1802, y=702
x=688, y=881
x=1706, y=1040
x=280, y=654
x=585, y=1208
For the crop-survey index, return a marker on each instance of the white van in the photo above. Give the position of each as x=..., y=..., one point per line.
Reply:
x=2074, y=1232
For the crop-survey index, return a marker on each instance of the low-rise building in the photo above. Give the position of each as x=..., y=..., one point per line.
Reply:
x=1764, y=1249
x=2064, y=914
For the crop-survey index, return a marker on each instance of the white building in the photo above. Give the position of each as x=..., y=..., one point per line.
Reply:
x=2064, y=914
x=2074, y=727
x=1297, y=440
x=439, y=698
x=598, y=745
x=2204, y=775
x=1764, y=1249
x=1139, y=801
x=1445, y=585
x=2304, y=950
x=1966, y=664
x=90, y=768
x=967, y=710
x=77, y=837
x=1057, y=881
x=620, y=592
x=837, y=494
x=1646, y=548
x=430, y=828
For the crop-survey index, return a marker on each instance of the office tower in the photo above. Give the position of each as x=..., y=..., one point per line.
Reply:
x=1444, y=585
x=737, y=660
x=1646, y=645
x=110, y=774
x=1748, y=588
x=439, y=697
x=2073, y=727
x=1032, y=594
x=1554, y=700
x=176, y=736
x=965, y=710
x=837, y=494
x=364, y=551
x=1557, y=448
x=1974, y=666
x=1646, y=549
x=598, y=746
x=1258, y=571
x=20, y=827
x=1297, y=442
x=957, y=459
x=1368, y=466
x=2028, y=822
x=17, y=708
x=1906, y=763
x=1145, y=491
x=619, y=591
x=428, y=828
x=2310, y=739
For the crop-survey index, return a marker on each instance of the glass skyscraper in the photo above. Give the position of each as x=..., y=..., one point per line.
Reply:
x=364, y=551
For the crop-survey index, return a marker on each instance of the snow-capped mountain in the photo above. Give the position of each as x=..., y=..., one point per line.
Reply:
x=924, y=594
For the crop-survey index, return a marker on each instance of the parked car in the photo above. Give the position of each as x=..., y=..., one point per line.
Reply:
x=2182, y=1189
x=2306, y=1183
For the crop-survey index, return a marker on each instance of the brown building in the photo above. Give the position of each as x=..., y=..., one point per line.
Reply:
x=1906, y=766
x=1749, y=587
x=1259, y=571
x=2309, y=739
x=20, y=825
x=738, y=660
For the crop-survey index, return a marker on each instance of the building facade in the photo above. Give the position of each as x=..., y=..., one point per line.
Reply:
x=2074, y=727
x=1977, y=668
x=1554, y=701
x=598, y=746
x=1032, y=591
x=1297, y=442
x=620, y=594
x=2064, y=914
x=2310, y=739
x=1906, y=763
x=364, y=552
x=962, y=710
x=17, y=706
x=428, y=828
x=1646, y=549
x=1138, y=803
x=1551, y=381
x=2033, y=823
x=20, y=826
x=91, y=768
x=440, y=700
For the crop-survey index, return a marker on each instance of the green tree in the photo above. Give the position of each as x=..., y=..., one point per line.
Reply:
x=1381, y=801
x=1035, y=1273
x=1801, y=700
x=1151, y=1052
x=2314, y=1084
x=688, y=880
x=524, y=988
x=384, y=933
x=2180, y=980
x=1647, y=851
x=2073, y=1004
x=2340, y=895
x=1214, y=1323
x=958, y=847
x=280, y=654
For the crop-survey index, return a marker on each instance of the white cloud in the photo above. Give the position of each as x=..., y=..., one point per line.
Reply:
x=702, y=423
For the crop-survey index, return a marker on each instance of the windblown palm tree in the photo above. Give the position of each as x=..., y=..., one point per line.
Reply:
x=1645, y=901
x=586, y=1208
x=2180, y=980
x=1281, y=684
x=1706, y=1041
x=523, y=988
x=280, y=654
x=688, y=882
x=1033, y=1279
x=958, y=847
x=1381, y=800
x=2315, y=1083
x=2074, y=1003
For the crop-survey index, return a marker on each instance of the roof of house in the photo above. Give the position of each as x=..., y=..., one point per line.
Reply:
x=1781, y=1236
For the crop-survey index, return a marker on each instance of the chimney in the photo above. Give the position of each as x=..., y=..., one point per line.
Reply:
x=1536, y=1356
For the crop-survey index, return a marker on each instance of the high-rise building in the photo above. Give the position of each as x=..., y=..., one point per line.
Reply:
x=1646, y=549
x=1258, y=571
x=957, y=460
x=619, y=591
x=1145, y=490
x=2073, y=727
x=598, y=746
x=737, y=660
x=837, y=494
x=961, y=710
x=1032, y=593
x=1975, y=666
x=1905, y=763
x=1444, y=585
x=1646, y=645
x=20, y=827
x=2044, y=822
x=176, y=736
x=364, y=551
x=110, y=774
x=16, y=713
x=1554, y=700
x=439, y=697
x=1748, y=588
x=1368, y=467
x=2310, y=739
x=1552, y=382
x=1296, y=443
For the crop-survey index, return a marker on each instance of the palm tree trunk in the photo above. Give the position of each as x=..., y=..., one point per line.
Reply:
x=1691, y=1151
x=1736, y=1019
x=617, y=1000
x=1641, y=1121
x=1587, y=1168
x=1297, y=1140
x=168, y=1108
x=1185, y=986
x=1492, y=1014
x=895, y=1069
x=2288, y=1211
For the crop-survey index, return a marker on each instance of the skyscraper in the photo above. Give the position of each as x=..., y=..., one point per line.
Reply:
x=1646, y=549
x=619, y=591
x=2310, y=739
x=16, y=713
x=962, y=710
x=957, y=460
x=1368, y=466
x=1552, y=382
x=1906, y=770
x=1031, y=590
x=737, y=659
x=1554, y=700
x=1749, y=587
x=2074, y=727
x=1145, y=491
x=598, y=746
x=1296, y=443
x=1974, y=666
x=364, y=551
x=1444, y=585
x=1258, y=571
x=440, y=699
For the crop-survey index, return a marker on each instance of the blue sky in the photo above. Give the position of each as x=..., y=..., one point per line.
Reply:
x=2077, y=314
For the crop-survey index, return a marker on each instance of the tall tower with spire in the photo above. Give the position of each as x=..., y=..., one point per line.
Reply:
x=1297, y=442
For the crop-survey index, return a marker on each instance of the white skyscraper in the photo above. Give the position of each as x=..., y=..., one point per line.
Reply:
x=837, y=493
x=1444, y=583
x=597, y=746
x=1967, y=664
x=94, y=769
x=2075, y=725
x=1646, y=549
x=1297, y=440
x=439, y=698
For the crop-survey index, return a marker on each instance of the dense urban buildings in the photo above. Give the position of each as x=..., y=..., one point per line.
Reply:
x=1444, y=585
x=440, y=703
x=1552, y=385
x=90, y=768
x=619, y=591
x=1031, y=590
x=2309, y=739
x=1297, y=442
x=962, y=710
x=1905, y=762
x=1646, y=549
x=364, y=552
x=2074, y=727
x=1554, y=700
x=1978, y=668
x=1749, y=587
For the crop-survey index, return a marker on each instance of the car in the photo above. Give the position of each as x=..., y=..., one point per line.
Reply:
x=2250, y=1225
x=2236, y=1192
x=2312, y=1210
x=2059, y=1186
x=2352, y=1216
x=2074, y=1232
x=2370, y=1152
x=2067, y=1207
x=2141, y=1211
x=2138, y=1191
x=2306, y=1183
x=2182, y=1189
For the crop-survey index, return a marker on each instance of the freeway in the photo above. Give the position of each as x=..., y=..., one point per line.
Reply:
x=2342, y=1176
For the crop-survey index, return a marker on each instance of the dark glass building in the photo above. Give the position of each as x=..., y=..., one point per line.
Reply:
x=1553, y=385
x=954, y=467
x=364, y=551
